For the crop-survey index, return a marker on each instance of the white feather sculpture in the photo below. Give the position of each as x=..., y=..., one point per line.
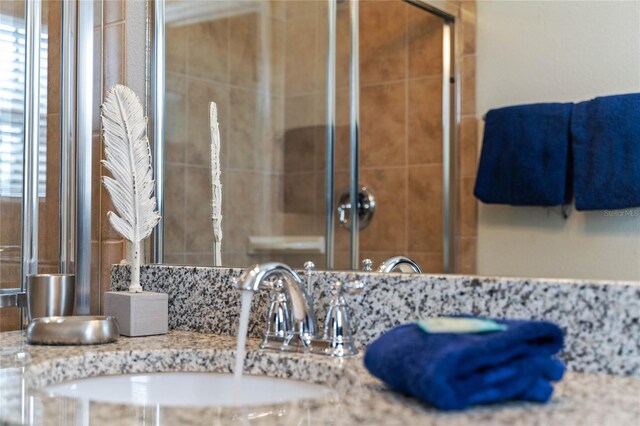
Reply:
x=216, y=186
x=128, y=158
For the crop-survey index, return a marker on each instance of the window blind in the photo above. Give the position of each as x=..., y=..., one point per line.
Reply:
x=12, y=75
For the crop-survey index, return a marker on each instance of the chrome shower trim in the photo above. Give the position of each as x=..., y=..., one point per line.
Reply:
x=331, y=131
x=157, y=122
x=67, y=138
x=29, y=236
x=84, y=109
x=354, y=140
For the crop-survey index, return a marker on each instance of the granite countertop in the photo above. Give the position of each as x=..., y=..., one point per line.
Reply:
x=359, y=398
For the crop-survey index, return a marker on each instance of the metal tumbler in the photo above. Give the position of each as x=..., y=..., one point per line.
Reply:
x=50, y=295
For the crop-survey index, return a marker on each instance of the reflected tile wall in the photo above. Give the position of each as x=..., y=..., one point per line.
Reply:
x=401, y=134
x=266, y=70
x=236, y=60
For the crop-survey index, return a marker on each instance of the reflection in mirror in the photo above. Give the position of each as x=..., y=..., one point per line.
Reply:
x=12, y=143
x=265, y=65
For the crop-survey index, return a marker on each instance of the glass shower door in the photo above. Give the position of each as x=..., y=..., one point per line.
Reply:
x=403, y=151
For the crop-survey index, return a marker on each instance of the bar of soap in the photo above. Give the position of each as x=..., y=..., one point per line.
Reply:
x=138, y=314
x=437, y=325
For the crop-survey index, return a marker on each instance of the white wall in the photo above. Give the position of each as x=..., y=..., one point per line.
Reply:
x=543, y=51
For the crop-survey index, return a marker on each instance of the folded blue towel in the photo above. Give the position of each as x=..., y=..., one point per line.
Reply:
x=525, y=156
x=605, y=134
x=455, y=370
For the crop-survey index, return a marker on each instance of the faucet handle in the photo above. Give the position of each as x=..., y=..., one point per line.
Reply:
x=337, y=327
x=367, y=265
x=279, y=315
x=309, y=266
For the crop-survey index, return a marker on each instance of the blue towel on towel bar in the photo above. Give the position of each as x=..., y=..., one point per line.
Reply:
x=605, y=135
x=525, y=156
x=452, y=371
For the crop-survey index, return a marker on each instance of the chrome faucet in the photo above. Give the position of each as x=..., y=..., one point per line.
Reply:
x=291, y=323
x=302, y=327
x=401, y=263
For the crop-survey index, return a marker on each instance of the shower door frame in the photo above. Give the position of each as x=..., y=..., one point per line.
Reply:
x=451, y=65
x=450, y=14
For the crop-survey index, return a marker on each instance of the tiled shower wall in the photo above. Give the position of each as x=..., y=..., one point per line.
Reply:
x=237, y=62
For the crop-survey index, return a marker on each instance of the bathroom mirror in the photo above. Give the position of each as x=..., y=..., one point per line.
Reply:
x=428, y=71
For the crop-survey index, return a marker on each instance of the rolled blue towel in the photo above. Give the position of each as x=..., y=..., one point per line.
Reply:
x=605, y=137
x=455, y=370
x=525, y=156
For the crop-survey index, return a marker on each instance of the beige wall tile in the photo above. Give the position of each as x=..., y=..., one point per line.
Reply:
x=300, y=8
x=383, y=130
x=425, y=120
x=200, y=93
x=175, y=129
x=467, y=255
x=425, y=43
x=300, y=224
x=244, y=46
x=468, y=86
x=341, y=260
x=383, y=48
x=208, y=48
x=300, y=111
x=299, y=149
x=425, y=208
x=274, y=133
x=301, y=59
x=468, y=146
x=430, y=263
x=176, y=216
x=177, y=48
x=468, y=27
x=200, y=259
x=278, y=8
x=276, y=57
x=199, y=232
x=9, y=319
x=174, y=259
x=245, y=151
x=10, y=221
x=299, y=193
x=54, y=19
x=388, y=228
x=242, y=210
x=10, y=267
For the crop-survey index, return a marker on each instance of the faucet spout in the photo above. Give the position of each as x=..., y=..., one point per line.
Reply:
x=304, y=322
x=402, y=263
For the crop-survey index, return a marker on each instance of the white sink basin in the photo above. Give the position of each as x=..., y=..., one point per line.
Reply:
x=187, y=390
